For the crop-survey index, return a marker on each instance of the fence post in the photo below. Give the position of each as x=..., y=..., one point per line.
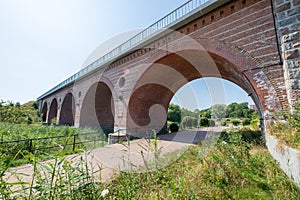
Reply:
x=30, y=145
x=74, y=142
x=94, y=141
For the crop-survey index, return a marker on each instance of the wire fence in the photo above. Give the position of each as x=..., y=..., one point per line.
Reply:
x=66, y=142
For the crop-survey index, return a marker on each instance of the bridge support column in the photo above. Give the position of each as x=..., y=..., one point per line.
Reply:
x=291, y=56
x=286, y=14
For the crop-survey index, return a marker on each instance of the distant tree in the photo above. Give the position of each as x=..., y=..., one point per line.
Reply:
x=205, y=113
x=195, y=122
x=35, y=105
x=174, y=113
x=231, y=110
x=241, y=109
x=17, y=113
x=218, y=111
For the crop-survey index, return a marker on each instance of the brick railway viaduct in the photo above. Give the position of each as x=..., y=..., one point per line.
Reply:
x=252, y=43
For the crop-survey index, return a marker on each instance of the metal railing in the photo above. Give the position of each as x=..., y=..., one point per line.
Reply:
x=166, y=22
x=29, y=144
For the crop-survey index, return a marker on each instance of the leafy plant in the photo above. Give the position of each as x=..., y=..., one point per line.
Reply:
x=235, y=122
x=288, y=130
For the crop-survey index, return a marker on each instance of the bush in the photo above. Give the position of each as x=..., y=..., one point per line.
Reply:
x=246, y=122
x=173, y=127
x=288, y=130
x=235, y=122
x=223, y=122
x=211, y=122
x=189, y=122
x=195, y=122
x=203, y=121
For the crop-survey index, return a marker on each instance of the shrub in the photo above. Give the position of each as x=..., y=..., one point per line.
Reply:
x=203, y=121
x=223, y=122
x=211, y=122
x=195, y=122
x=246, y=122
x=188, y=122
x=174, y=127
x=235, y=122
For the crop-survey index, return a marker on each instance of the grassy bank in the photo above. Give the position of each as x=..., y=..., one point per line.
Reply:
x=287, y=130
x=43, y=142
x=236, y=168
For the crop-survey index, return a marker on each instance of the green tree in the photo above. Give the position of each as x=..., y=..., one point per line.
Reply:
x=231, y=110
x=218, y=111
x=174, y=113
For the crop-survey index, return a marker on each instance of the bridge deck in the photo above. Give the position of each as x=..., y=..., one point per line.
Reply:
x=172, y=21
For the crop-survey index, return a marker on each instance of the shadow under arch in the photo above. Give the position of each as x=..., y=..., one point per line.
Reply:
x=53, y=111
x=44, y=112
x=67, y=112
x=97, y=110
x=155, y=88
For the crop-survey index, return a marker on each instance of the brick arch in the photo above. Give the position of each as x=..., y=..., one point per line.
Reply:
x=53, y=111
x=44, y=111
x=67, y=111
x=97, y=109
x=169, y=70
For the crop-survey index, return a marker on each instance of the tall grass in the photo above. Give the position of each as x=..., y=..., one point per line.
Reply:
x=232, y=170
x=43, y=141
x=287, y=130
x=236, y=168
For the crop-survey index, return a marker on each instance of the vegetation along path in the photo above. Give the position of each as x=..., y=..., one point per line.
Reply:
x=111, y=159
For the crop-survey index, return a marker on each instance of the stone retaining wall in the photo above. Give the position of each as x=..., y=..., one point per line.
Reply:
x=288, y=158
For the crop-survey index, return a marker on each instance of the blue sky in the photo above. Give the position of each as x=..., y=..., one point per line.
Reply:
x=45, y=42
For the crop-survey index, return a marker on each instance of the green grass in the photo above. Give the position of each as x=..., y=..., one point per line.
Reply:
x=238, y=167
x=287, y=130
x=232, y=170
x=24, y=150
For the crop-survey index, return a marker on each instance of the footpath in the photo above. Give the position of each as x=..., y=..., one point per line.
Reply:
x=110, y=160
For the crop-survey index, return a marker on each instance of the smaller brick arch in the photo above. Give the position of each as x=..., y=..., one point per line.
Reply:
x=67, y=112
x=97, y=110
x=44, y=112
x=53, y=111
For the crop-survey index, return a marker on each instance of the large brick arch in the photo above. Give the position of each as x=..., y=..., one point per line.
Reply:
x=97, y=109
x=53, y=111
x=168, y=71
x=67, y=111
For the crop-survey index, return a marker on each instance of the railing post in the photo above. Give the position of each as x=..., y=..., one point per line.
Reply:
x=74, y=142
x=94, y=141
x=30, y=145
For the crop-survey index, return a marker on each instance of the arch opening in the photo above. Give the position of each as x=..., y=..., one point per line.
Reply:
x=67, y=113
x=44, y=112
x=53, y=111
x=149, y=101
x=97, y=110
x=221, y=104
